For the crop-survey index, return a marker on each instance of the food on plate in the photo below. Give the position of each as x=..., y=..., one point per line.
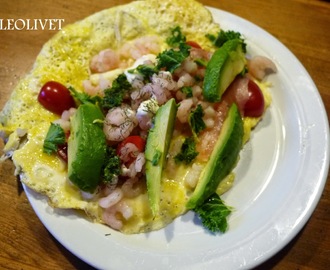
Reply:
x=137, y=114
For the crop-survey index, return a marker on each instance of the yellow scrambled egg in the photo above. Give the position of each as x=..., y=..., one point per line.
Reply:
x=65, y=58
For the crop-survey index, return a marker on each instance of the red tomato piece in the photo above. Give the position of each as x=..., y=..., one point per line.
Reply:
x=255, y=105
x=193, y=44
x=55, y=97
x=137, y=141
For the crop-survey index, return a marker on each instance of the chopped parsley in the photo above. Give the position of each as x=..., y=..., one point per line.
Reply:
x=114, y=95
x=213, y=214
x=187, y=90
x=171, y=59
x=188, y=151
x=55, y=137
x=112, y=166
x=84, y=97
x=176, y=38
x=224, y=36
x=196, y=121
x=146, y=71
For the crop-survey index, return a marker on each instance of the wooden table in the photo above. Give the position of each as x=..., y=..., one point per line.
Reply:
x=302, y=25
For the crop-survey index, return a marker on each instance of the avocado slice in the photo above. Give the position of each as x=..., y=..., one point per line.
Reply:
x=157, y=146
x=222, y=160
x=225, y=64
x=86, y=147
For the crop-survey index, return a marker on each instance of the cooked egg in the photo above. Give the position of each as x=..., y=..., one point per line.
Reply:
x=65, y=58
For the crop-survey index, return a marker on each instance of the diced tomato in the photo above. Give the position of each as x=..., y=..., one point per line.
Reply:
x=137, y=141
x=193, y=44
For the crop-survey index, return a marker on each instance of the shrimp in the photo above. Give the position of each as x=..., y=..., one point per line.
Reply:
x=157, y=92
x=119, y=123
x=114, y=197
x=165, y=80
x=185, y=80
x=132, y=188
x=184, y=110
x=64, y=121
x=158, y=89
x=260, y=66
x=105, y=60
x=141, y=46
x=116, y=214
x=146, y=112
x=110, y=218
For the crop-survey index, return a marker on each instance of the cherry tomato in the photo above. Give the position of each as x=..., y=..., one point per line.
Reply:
x=136, y=140
x=193, y=44
x=55, y=97
x=255, y=105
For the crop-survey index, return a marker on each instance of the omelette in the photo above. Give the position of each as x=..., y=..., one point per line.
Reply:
x=139, y=188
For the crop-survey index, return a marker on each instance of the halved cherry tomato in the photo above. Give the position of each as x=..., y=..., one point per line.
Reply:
x=136, y=140
x=255, y=105
x=193, y=44
x=55, y=97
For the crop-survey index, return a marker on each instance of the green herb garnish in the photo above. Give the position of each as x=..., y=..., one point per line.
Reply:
x=196, y=121
x=114, y=96
x=187, y=90
x=171, y=59
x=176, y=38
x=188, y=151
x=213, y=214
x=55, y=137
x=112, y=166
x=84, y=97
x=224, y=36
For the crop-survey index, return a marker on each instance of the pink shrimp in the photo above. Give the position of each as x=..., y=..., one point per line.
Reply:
x=260, y=66
x=119, y=123
x=141, y=46
x=105, y=60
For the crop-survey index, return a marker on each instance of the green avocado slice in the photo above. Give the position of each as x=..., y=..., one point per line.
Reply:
x=225, y=64
x=86, y=147
x=157, y=146
x=222, y=160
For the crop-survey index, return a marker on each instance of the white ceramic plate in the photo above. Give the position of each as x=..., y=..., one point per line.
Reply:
x=280, y=178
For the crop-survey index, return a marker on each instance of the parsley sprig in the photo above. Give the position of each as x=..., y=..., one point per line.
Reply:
x=188, y=151
x=196, y=121
x=213, y=214
x=224, y=36
x=55, y=137
x=114, y=95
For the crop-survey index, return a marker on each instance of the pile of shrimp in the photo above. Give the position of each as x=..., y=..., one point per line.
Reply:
x=134, y=116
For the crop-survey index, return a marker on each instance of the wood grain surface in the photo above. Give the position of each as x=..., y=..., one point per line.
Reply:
x=301, y=25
